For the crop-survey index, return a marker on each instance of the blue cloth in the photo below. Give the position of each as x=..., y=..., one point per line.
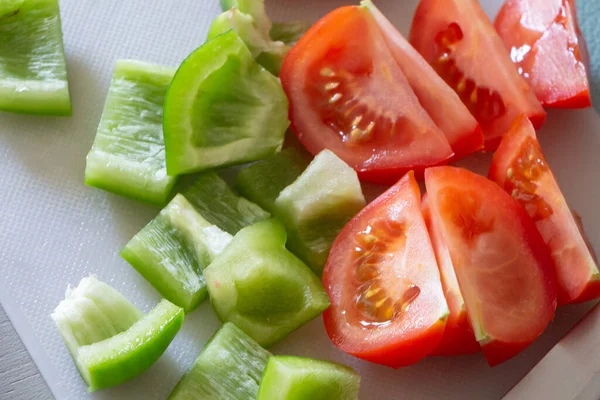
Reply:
x=589, y=21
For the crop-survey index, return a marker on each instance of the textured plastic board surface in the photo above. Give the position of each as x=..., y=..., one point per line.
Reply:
x=54, y=230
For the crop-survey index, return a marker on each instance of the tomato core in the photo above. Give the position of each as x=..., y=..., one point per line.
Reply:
x=462, y=209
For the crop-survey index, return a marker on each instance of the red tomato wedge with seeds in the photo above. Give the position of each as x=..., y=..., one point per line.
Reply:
x=387, y=301
x=520, y=168
x=437, y=98
x=503, y=266
x=347, y=94
x=458, y=337
x=545, y=42
x=460, y=42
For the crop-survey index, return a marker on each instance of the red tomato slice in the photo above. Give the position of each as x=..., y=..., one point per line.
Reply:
x=347, y=94
x=437, y=98
x=458, y=337
x=521, y=169
x=387, y=301
x=545, y=43
x=503, y=266
x=459, y=41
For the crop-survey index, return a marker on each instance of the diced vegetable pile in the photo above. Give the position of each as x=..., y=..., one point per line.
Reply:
x=475, y=264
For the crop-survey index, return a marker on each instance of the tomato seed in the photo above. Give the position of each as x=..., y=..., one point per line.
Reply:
x=528, y=167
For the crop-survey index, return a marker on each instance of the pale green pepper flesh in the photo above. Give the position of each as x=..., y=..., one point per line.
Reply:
x=222, y=108
x=260, y=286
x=128, y=154
x=229, y=368
x=286, y=32
x=299, y=378
x=262, y=182
x=172, y=251
x=220, y=205
x=109, y=339
x=10, y=7
x=33, y=71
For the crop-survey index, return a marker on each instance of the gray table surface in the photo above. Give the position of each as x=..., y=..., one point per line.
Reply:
x=19, y=376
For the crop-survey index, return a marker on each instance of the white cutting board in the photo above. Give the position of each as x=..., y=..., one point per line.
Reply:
x=54, y=230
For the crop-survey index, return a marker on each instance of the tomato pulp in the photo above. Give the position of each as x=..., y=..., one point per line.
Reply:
x=520, y=167
x=387, y=301
x=348, y=94
x=458, y=336
x=460, y=42
x=545, y=43
x=502, y=264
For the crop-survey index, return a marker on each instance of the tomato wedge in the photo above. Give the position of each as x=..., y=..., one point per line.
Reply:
x=459, y=41
x=503, y=266
x=437, y=98
x=458, y=337
x=387, y=301
x=347, y=94
x=520, y=168
x=545, y=43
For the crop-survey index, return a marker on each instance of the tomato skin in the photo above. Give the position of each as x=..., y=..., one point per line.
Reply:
x=502, y=263
x=498, y=351
x=458, y=337
x=590, y=292
x=415, y=332
x=460, y=42
x=396, y=355
x=468, y=144
x=546, y=44
x=389, y=176
x=341, y=79
x=577, y=271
